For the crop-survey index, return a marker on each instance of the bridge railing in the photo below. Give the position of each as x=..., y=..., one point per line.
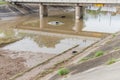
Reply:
x=68, y=1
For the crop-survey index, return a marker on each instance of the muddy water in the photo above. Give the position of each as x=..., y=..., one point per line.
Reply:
x=46, y=42
x=96, y=21
x=43, y=35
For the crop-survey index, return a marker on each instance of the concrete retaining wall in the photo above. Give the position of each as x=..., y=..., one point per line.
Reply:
x=89, y=64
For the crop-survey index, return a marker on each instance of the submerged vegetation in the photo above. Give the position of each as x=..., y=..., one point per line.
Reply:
x=31, y=24
x=8, y=36
x=5, y=41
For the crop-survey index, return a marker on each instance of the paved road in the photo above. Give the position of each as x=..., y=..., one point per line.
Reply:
x=109, y=72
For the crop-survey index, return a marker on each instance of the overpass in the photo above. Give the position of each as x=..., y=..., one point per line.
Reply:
x=43, y=11
x=68, y=1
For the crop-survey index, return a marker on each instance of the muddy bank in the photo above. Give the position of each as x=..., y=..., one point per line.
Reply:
x=12, y=62
x=9, y=66
x=6, y=41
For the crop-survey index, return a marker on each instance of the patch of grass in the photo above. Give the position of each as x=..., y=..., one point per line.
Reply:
x=2, y=2
x=113, y=35
x=99, y=53
x=111, y=61
x=85, y=59
x=116, y=48
x=63, y=71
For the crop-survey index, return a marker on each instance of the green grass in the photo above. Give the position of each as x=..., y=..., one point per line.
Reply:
x=113, y=35
x=63, y=71
x=85, y=59
x=2, y=2
x=99, y=53
x=116, y=48
x=111, y=61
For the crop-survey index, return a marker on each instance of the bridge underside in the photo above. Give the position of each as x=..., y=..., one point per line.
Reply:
x=68, y=4
x=43, y=9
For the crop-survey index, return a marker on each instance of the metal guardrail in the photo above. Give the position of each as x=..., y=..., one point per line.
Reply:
x=68, y=1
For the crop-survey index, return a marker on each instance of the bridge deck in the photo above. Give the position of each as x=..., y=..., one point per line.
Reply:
x=69, y=1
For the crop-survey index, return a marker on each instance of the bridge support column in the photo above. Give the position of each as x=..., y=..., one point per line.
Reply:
x=78, y=12
x=78, y=25
x=43, y=11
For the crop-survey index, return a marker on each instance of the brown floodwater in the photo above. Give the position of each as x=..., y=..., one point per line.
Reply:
x=60, y=31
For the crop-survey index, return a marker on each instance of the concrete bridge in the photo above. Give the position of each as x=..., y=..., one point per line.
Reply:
x=68, y=1
x=77, y=3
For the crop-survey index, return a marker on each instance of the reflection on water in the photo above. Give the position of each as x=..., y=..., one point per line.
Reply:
x=70, y=26
x=107, y=24
x=47, y=42
x=102, y=20
x=29, y=44
x=7, y=18
x=55, y=23
x=96, y=22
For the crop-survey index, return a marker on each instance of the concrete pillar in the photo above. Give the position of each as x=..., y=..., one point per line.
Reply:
x=78, y=12
x=41, y=23
x=43, y=11
x=78, y=25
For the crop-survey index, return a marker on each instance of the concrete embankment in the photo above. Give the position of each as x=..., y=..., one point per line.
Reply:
x=10, y=10
x=111, y=48
x=110, y=72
